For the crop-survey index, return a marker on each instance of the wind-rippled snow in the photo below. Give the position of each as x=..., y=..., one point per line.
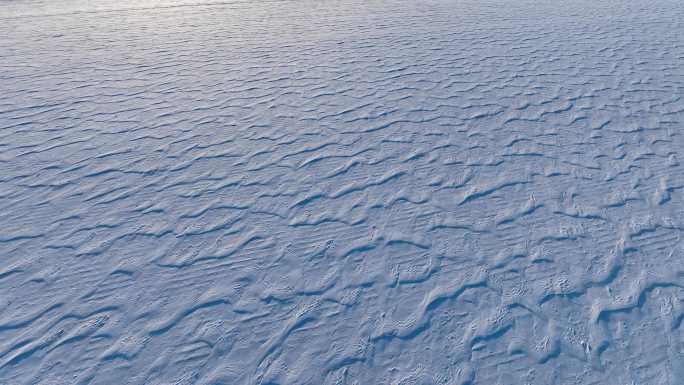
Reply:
x=341, y=192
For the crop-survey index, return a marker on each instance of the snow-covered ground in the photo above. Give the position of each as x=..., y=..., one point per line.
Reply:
x=342, y=192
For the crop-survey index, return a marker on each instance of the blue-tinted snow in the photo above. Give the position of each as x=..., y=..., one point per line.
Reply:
x=341, y=192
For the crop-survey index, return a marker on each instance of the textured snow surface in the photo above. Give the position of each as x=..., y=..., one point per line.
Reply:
x=342, y=192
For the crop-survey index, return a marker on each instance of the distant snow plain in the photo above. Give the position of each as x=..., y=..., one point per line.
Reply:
x=342, y=192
